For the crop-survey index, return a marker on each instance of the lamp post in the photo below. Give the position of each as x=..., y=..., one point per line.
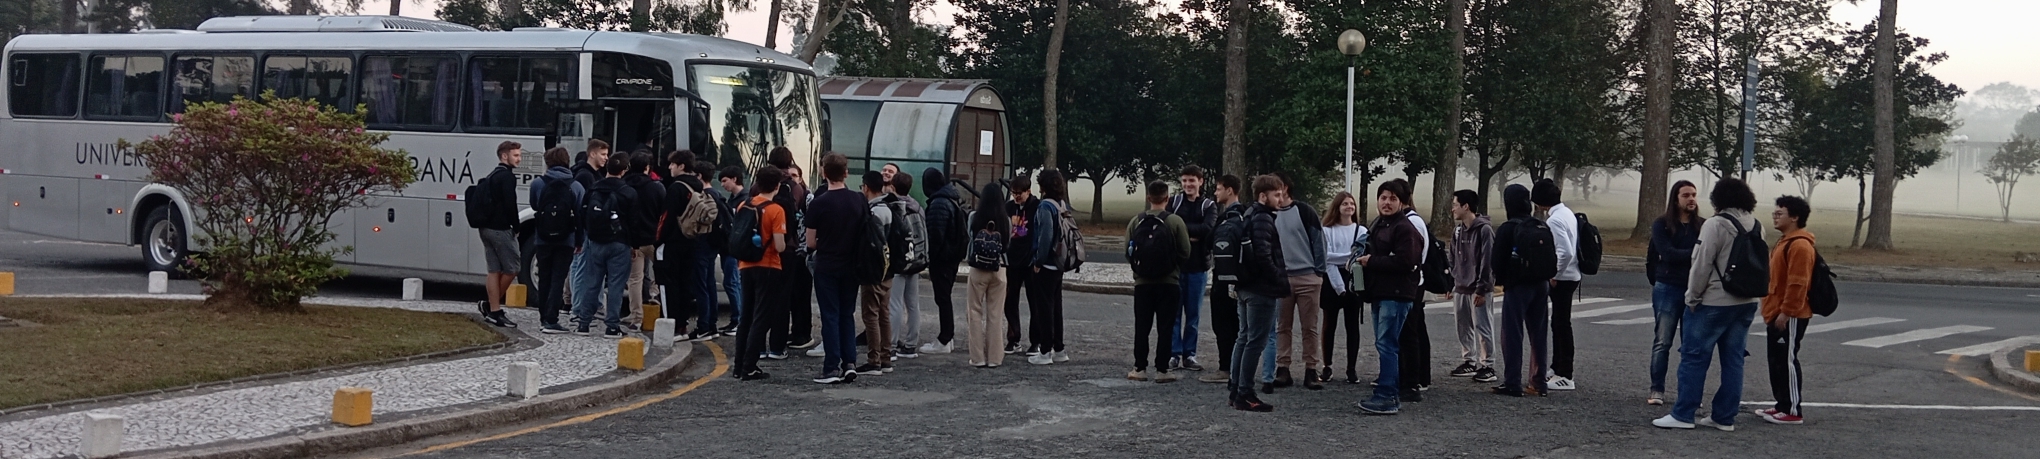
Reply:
x=1351, y=42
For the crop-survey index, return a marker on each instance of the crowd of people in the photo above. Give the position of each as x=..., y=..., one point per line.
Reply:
x=613, y=237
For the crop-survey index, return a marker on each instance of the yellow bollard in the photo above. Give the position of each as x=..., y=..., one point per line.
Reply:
x=2033, y=361
x=630, y=354
x=515, y=296
x=351, y=406
x=6, y=283
x=651, y=316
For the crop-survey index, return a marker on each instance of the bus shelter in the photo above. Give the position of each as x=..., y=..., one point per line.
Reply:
x=957, y=125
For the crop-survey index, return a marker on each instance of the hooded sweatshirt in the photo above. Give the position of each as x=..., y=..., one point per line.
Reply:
x=1791, y=277
x=1303, y=239
x=1516, y=199
x=1473, y=246
x=1717, y=237
x=557, y=176
x=946, y=243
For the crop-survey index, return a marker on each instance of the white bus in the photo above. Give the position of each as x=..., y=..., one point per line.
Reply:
x=448, y=94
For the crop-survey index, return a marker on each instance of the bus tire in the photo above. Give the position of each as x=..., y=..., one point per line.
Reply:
x=163, y=241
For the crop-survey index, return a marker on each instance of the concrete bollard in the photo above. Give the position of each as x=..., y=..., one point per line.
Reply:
x=651, y=317
x=516, y=296
x=103, y=434
x=630, y=354
x=524, y=380
x=2033, y=361
x=6, y=283
x=159, y=282
x=662, y=336
x=352, y=406
x=414, y=289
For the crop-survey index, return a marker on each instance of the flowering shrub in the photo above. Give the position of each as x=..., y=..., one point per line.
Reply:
x=265, y=178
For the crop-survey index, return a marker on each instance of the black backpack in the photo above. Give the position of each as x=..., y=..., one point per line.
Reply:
x=481, y=205
x=1152, y=249
x=1535, y=256
x=907, y=239
x=987, y=249
x=1438, y=268
x=870, y=261
x=1589, y=253
x=1228, y=240
x=1821, y=295
x=959, y=240
x=1748, y=272
x=745, y=241
x=557, y=212
x=604, y=219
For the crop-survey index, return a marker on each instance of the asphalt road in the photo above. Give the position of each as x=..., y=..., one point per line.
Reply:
x=1899, y=398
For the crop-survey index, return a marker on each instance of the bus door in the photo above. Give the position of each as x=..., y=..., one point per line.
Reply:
x=629, y=124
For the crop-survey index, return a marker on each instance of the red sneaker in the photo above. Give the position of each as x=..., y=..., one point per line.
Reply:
x=1782, y=418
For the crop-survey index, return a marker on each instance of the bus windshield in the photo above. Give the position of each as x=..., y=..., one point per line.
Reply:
x=756, y=109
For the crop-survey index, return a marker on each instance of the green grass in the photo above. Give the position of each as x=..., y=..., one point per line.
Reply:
x=91, y=347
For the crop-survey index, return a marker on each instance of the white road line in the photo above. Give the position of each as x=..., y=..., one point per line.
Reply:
x=1610, y=310
x=1818, y=327
x=1497, y=300
x=1915, y=335
x=1635, y=321
x=1987, y=348
x=1905, y=407
x=1587, y=301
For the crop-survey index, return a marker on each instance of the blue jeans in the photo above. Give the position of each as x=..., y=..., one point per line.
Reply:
x=733, y=284
x=1668, y=304
x=704, y=287
x=1709, y=329
x=1257, y=325
x=1268, y=352
x=1389, y=316
x=1185, y=339
x=836, y=298
x=605, y=270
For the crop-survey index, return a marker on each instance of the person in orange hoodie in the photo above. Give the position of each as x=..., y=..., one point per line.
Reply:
x=1785, y=311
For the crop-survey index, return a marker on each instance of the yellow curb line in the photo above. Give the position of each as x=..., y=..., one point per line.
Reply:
x=722, y=366
x=1953, y=359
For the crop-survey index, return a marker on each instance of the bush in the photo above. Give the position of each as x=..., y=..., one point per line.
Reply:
x=264, y=178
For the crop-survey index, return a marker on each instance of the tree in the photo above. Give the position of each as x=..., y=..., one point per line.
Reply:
x=117, y=16
x=1718, y=39
x=2029, y=125
x=826, y=15
x=1885, y=138
x=882, y=39
x=1660, y=77
x=1234, y=154
x=1444, y=181
x=67, y=18
x=772, y=24
x=2014, y=160
x=701, y=17
x=1051, y=72
x=1990, y=112
x=265, y=178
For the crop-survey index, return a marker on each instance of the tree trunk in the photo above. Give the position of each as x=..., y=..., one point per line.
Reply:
x=772, y=25
x=1052, y=71
x=1235, y=145
x=1660, y=76
x=1886, y=161
x=819, y=32
x=513, y=15
x=1445, y=179
x=1097, y=201
x=640, y=15
x=300, y=7
x=1856, y=240
x=67, y=16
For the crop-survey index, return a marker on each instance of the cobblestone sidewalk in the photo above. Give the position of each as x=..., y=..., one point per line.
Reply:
x=270, y=408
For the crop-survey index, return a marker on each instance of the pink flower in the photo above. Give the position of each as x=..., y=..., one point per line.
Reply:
x=177, y=117
x=371, y=169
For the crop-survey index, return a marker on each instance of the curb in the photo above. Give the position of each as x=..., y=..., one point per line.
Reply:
x=345, y=440
x=1103, y=289
x=2001, y=366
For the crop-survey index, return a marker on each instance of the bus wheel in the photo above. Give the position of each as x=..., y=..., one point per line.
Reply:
x=163, y=242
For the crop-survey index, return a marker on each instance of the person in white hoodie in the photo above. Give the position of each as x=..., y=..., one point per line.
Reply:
x=1714, y=318
x=1565, y=236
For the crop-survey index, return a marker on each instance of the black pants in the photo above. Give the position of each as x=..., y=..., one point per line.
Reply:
x=943, y=275
x=1523, y=310
x=1016, y=279
x=1045, y=310
x=1415, y=356
x=1155, y=307
x=1225, y=321
x=1350, y=308
x=764, y=309
x=682, y=279
x=800, y=295
x=1783, y=345
x=1561, y=328
x=553, y=263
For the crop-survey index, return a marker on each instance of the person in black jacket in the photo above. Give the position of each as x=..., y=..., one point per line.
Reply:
x=605, y=266
x=1020, y=253
x=1262, y=281
x=643, y=235
x=946, y=244
x=1200, y=214
x=499, y=244
x=1225, y=308
x=588, y=167
x=1666, y=266
x=1524, y=303
x=675, y=268
x=1395, y=251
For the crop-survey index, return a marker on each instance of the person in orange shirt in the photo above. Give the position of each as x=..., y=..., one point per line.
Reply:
x=1786, y=311
x=761, y=278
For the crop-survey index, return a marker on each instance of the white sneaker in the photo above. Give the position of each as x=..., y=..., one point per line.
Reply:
x=1710, y=423
x=1062, y=357
x=1560, y=383
x=936, y=348
x=817, y=352
x=1668, y=422
x=1041, y=359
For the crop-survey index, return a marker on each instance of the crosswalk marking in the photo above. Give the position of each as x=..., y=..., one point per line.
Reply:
x=1495, y=302
x=1587, y=301
x=1986, y=348
x=1818, y=327
x=1635, y=321
x=1915, y=335
x=1610, y=310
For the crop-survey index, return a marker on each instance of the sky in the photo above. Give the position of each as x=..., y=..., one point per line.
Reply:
x=1987, y=41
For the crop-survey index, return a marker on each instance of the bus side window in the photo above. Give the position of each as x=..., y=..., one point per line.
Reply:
x=516, y=93
x=322, y=79
x=44, y=85
x=415, y=91
x=212, y=79
x=125, y=88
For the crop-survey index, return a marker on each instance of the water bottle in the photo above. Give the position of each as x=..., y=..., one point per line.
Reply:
x=757, y=241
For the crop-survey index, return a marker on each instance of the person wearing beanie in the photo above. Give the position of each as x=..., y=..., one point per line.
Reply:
x=948, y=239
x=1565, y=237
x=1523, y=292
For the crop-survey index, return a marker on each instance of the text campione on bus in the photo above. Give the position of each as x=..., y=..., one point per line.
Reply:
x=447, y=94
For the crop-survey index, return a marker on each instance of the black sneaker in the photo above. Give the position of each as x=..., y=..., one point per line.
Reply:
x=828, y=377
x=849, y=376
x=869, y=370
x=552, y=329
x=754, y=375
x=482, y=307
x=505, y=318
x=730, y=330
x=498, y=320
x=1506, y=390
x=1464, y=370
x=1485, y=375
x=581, y=329
x=613, y=333
x=1412, y=395
x=1190, y=363
x=1013, y=349
x=702, y=335
x=1253, y=403
x=1282, y=378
